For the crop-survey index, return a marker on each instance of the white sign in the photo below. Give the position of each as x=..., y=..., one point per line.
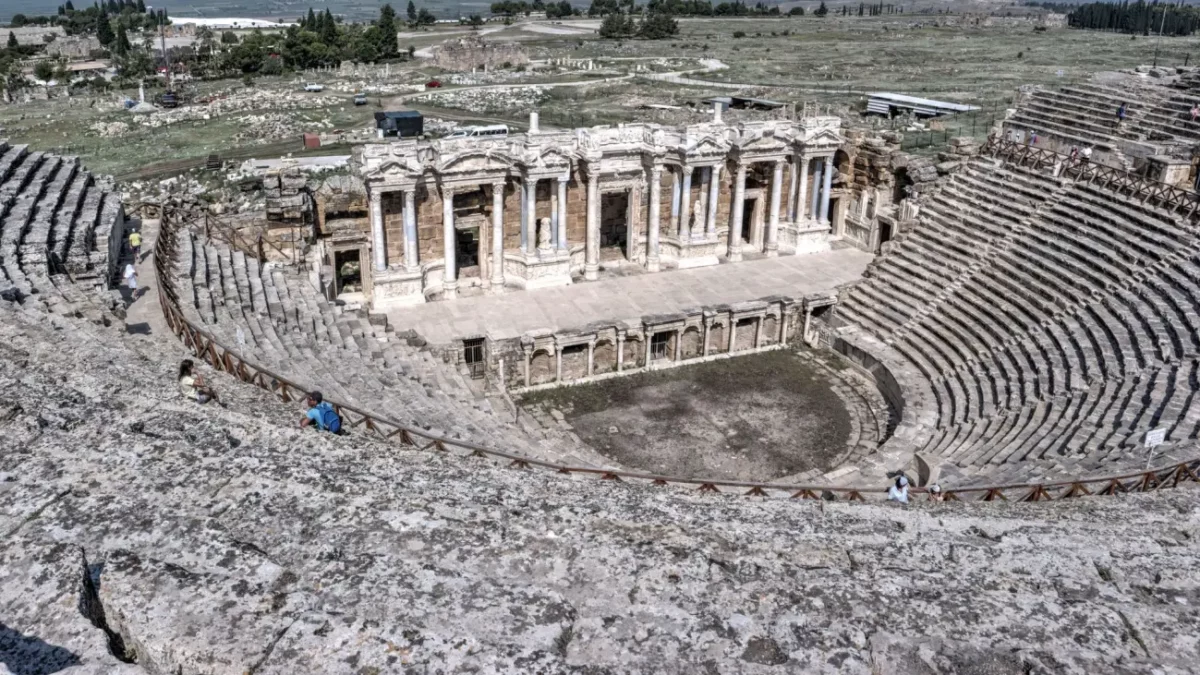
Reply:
x=1155, y=437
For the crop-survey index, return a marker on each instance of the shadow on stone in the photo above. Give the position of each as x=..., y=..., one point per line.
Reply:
x=28, y=655
x=142, y=328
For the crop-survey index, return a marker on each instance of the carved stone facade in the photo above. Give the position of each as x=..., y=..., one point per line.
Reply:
x=555, y=207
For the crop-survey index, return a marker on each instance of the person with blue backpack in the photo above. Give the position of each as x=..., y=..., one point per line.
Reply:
x=321, y=413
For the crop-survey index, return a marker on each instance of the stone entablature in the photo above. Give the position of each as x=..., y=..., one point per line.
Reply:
x=536, y=209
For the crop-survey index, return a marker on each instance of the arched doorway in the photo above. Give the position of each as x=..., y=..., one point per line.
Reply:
x=541, y=367
x=770, y=329
x=633, y=353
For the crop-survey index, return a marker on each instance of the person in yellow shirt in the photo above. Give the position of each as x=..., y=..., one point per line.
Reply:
x=135, y=243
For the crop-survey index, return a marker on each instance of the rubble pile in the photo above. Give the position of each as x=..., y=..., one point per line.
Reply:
x=491, y=100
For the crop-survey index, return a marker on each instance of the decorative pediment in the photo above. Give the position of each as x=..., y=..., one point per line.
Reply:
x=476, y=160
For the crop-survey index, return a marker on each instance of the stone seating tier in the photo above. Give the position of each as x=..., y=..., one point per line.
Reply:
x=275, y=318
x=1059, y=323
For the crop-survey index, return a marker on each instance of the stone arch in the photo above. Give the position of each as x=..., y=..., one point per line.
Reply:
x=770, y=330
x=541, y=367
x=574, y=362
x=634, y=351
x=718, y=339
x=844, y=166
x=604, y=358
x=692, y=345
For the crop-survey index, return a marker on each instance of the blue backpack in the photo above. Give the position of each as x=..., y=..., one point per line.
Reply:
x=329, y=419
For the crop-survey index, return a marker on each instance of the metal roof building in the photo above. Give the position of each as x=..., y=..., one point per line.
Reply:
x=884, y=103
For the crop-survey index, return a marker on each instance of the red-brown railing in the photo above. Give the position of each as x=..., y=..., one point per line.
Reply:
x=206, y=347
x=1122, y=182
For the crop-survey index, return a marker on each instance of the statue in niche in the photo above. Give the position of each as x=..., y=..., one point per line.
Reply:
x=543, y=234
x=698, y=219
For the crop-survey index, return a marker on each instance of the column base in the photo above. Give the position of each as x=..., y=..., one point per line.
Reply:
x=450, y=290
x=591, y=271
x=653, y=265
x=772, y=251
x=497, y=286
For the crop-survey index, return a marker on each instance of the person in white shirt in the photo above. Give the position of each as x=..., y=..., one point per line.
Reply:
x=899, y=491
x=130, y=277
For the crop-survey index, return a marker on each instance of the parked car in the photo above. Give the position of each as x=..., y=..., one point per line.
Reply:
x=432, y=84
x=360, y=99
x=169, y=100
x=313, y=86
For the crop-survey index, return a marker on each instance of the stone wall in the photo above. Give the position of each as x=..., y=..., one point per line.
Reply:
x=472, y=52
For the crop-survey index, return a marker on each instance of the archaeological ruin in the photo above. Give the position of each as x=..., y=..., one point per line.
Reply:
x=616, y=399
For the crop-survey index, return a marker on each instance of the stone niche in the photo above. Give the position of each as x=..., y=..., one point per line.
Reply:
x=472, y=52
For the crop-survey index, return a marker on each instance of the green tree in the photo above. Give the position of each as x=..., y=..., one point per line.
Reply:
x=229, y=38
x=44, y=71
x=309, y=22
x=822, y=10
x=616, y=26
x=387, y=45
x=104, y=32
x=12, y=40
x=475, y=21
x=658, y=27
x=141, y=6
x=412, y=12
x=69, y=7
x=425, y=18
x=329, y=31
x=796, y=11
x=121, y=44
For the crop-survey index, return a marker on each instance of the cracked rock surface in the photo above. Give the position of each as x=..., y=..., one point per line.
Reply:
x=141, y=533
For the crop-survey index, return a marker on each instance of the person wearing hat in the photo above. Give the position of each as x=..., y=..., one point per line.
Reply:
x=899, y=491
x=935, y=493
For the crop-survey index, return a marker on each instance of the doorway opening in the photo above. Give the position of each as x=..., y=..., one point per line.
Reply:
x=466, y=246
x=885, y=235
x=614, y=224
x=660, y=346
x=473, y=357
x=348, y=271
x=748, y=219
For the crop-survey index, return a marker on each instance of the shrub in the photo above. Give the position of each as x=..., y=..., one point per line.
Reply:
x=739, y=34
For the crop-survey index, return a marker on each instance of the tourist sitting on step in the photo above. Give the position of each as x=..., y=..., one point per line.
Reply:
x=321, y=413
x=899, y=490
x=192, y=386
x=935, y=493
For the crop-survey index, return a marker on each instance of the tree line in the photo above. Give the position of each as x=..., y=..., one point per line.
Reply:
x=1137, y=17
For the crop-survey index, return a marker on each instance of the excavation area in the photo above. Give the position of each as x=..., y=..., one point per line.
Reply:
x=758, y=417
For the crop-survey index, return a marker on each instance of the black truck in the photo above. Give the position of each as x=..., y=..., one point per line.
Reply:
x=401, y=123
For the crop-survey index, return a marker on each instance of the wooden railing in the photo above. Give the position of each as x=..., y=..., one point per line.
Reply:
x=206, y=347
x=1122, y=182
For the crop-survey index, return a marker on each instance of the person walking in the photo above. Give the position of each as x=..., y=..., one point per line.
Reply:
x=1195, y=112
x=131, y=280
x=1121, y=114
x=135, y=244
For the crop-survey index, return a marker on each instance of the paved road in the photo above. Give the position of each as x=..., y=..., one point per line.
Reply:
x=630, y=297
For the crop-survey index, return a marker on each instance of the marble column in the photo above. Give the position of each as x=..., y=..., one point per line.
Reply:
x=378, y=245
x=411, y=255
x=802, y=195
x=591, y=267
x=450, y=280
x=792, y=182
x=827, y=174
x=591, y=358
x=816, y=198
x=772, y=245
x=652, y=256
x=524, y=216
x=531, y=229
x=732, y=335
x=734, y=248
x=707, y=334
x=714, y=198
x=620, y=351
x=557, y=363
x=554, y=219
x=528, y=358
x=562, y=213
x=685, y=203
x=675, y=192
x=498, y=236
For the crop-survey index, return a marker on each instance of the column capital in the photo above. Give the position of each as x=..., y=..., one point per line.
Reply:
x=499, y=184
x=376, y=195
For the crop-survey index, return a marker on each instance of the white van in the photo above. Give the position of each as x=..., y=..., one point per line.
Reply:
x=491, y=130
